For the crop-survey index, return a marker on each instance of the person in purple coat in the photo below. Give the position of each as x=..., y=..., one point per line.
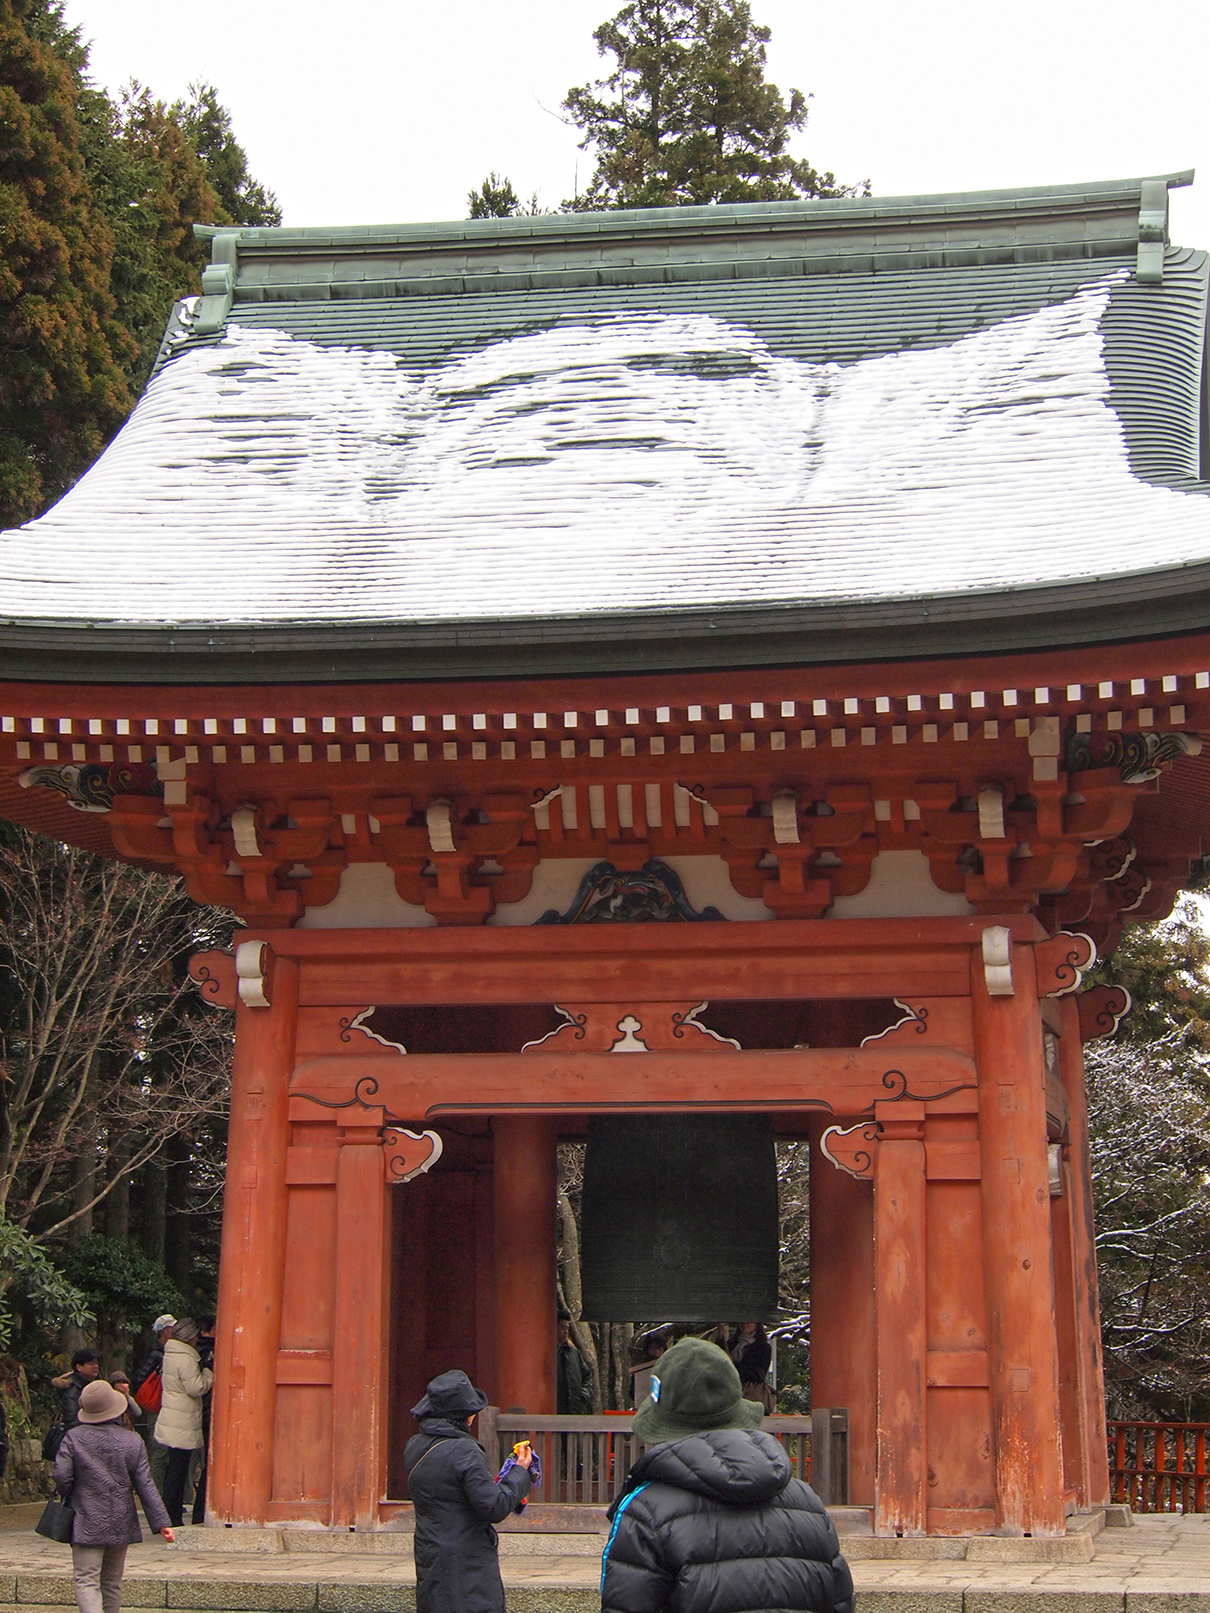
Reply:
x=98, y=1468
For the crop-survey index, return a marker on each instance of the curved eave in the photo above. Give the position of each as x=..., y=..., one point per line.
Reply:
x=1141, y=605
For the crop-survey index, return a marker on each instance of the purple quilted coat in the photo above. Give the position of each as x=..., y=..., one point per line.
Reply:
x=98, y=1469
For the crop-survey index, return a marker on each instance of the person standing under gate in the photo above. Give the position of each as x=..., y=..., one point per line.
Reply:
x=711, y=1517
x=153, y=1363
x=98, y=1468
x=179, y=1424
x=752, y=1353
x=573, y=1375
x=457, y=1498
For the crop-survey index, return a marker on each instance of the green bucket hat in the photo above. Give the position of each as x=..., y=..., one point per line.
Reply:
x=695, y=1391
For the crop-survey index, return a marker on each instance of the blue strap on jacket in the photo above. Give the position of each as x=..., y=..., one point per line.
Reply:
x=617, y=1518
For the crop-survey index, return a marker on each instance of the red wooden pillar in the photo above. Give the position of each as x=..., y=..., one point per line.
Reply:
x=524, y=1174
x=1089, y=1371
x=252, y=1261
x=359, y=1383
x=1022, y=1347
x=843, y=1362
x=901, y=1507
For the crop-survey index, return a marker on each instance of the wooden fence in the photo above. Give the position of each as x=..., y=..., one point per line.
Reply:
x=586, y=1460
x=1158, y=1467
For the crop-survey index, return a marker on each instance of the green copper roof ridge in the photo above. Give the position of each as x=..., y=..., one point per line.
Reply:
x=683, y=220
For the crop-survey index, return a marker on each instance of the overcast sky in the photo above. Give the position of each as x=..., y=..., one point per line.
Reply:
x=390, y=110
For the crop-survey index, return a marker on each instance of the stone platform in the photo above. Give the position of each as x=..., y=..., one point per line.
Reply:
x=1161, y=1565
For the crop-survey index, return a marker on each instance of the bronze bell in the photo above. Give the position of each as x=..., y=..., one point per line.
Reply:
x=679, y=1219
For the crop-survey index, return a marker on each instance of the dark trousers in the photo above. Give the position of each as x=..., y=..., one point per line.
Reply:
x=175, y=1476
x=199, y=1489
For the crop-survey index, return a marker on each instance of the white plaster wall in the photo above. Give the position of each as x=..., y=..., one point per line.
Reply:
x=901, y=886
x=367, y=899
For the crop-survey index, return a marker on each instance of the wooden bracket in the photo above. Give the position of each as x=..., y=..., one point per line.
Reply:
x=998, y=960
x=409, y=1153
x=851, y=1149
x=214, y=973
x=1102, y=1009
x=254, y=973
x=1063, y=962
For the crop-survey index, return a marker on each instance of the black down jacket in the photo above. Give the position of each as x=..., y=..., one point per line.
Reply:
x=716, y=1524
x=457, y=1500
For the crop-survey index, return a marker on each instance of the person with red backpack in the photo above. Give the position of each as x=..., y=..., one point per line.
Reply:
x=147, y=1386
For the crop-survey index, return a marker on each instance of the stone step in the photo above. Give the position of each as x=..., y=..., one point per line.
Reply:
x=871, y=1599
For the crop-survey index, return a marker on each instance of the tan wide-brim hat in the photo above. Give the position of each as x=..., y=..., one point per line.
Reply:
x=100, y=1402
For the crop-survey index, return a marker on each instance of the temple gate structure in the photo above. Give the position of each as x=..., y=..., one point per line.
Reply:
x=745, y=660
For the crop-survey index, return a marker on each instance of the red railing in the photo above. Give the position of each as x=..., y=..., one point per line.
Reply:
x=1159, y=1467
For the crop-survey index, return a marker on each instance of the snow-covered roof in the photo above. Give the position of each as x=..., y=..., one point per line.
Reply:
x=618, y=439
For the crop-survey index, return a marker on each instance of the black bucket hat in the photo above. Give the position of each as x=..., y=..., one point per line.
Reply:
x=695, y=1390
x=452, y=1394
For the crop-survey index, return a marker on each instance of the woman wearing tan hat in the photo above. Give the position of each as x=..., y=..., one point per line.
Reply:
x=99, y=1467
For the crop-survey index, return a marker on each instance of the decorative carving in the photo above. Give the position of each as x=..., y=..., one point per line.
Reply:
x=1109, y=859
x=683, y=1022
x=891, y=1078
x=628, y=1041
x=653, y=895
x=574, y=1023
x=1102, y=1010
x=1129, y=891
x=211, y=985
x=254, y=972
x=998, y=961
x=366, y=1087
x=1063, y=961
x=665, y=1026
x=1137, y=757
x=851, y=1148
x=409, y=1153
x=359, y=1022
x=911, y=1016
x=91, y=787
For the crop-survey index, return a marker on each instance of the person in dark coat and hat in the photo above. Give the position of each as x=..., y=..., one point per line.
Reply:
x=457, y=1499
x=711, y=1519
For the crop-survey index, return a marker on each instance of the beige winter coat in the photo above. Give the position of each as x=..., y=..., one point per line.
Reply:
x=179, y=1423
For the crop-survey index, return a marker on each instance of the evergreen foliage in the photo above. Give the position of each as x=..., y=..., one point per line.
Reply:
x=64, y=357
x=150, y=185
x=206, y=126
x=685, y=117
x=496, y=198
x=50, y=1294
x=120, y=1285
x=97, y=203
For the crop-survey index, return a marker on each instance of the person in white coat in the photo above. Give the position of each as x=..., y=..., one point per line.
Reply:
x=179, y=1424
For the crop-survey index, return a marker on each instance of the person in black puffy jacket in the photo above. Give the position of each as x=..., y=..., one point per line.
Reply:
x=711, y=1520
x=457, y=1499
